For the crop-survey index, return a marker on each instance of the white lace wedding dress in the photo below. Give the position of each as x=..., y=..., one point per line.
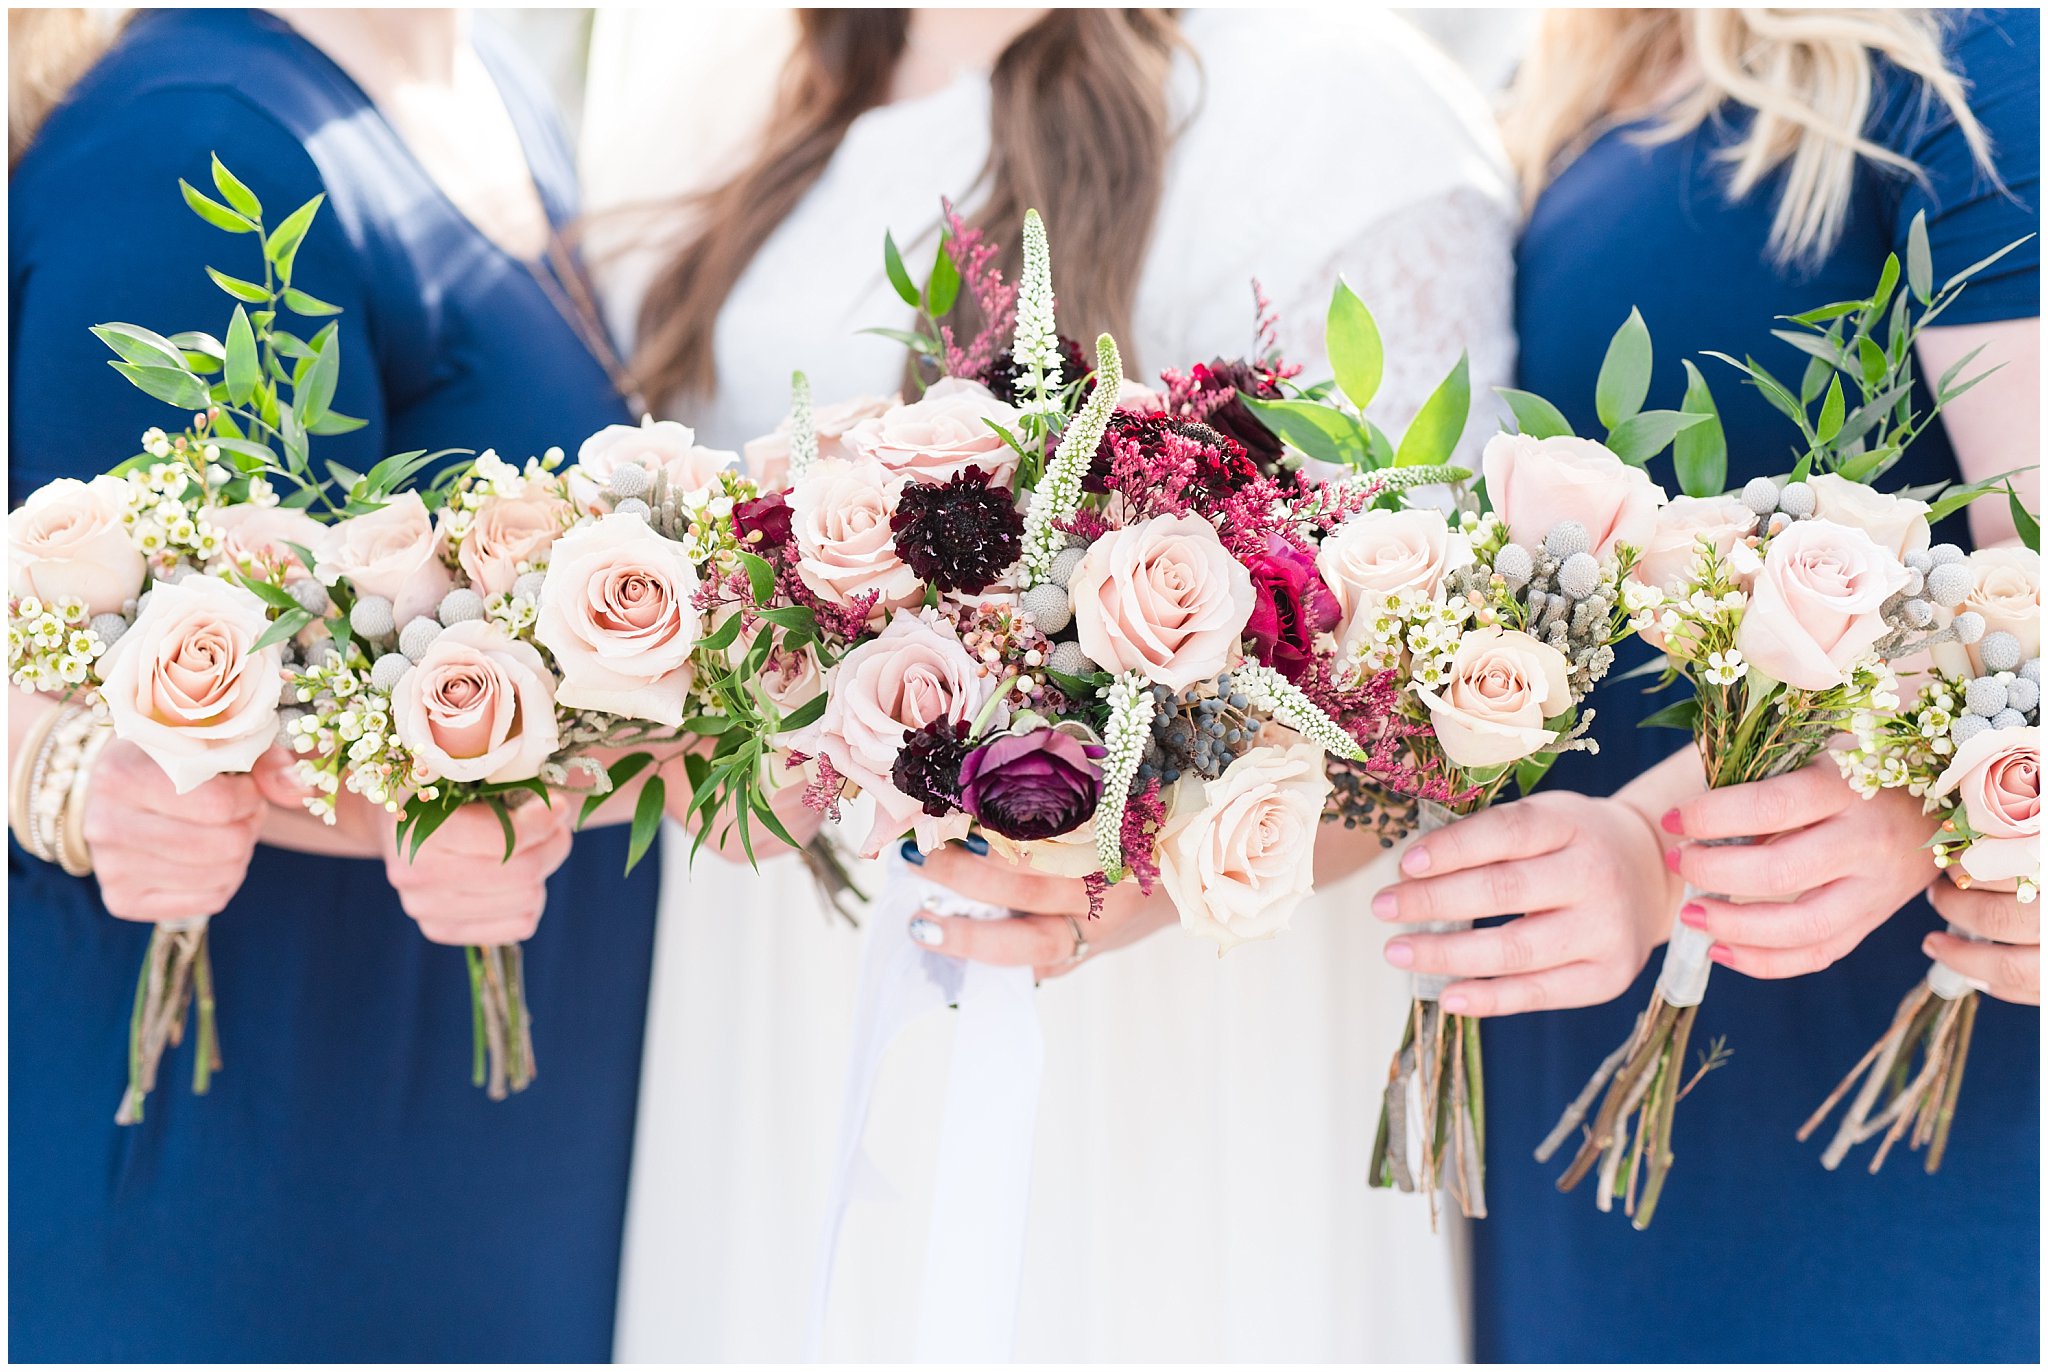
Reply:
x=1200, y=1185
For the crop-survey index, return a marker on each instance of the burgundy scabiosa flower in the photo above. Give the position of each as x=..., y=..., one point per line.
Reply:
x=1211, y=390
x=763, y=523
x=1032, y=786
x=1149, y=454
x=960, y=534
x=928, y=767
x=1291, y=606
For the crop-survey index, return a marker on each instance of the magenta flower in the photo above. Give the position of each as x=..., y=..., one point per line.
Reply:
x=1032, y=786
x=1291, y=606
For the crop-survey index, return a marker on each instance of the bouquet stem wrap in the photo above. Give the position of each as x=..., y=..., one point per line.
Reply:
x=503, y=1029
x=1432, y=1132
x=974, y=1256
x=1935, y=1019
x=177, y=975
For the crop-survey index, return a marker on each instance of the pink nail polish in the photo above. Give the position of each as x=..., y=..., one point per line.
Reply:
x=1453, y=1005
x=1671, y=858
x=1400, y=954
x=1693, y=916
x=1383, y=905
x=1671, y=823
x=1719, y=953
x=1415, y=861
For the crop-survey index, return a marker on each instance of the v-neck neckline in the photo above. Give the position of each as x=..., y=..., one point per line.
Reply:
x=522, y=130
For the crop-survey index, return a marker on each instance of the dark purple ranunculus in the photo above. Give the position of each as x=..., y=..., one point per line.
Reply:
x=1291, y=606
x=1032, y=786
x=763, y=522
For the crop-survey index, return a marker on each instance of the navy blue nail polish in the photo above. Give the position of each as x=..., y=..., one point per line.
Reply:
x=975, y=844
x=910, y=853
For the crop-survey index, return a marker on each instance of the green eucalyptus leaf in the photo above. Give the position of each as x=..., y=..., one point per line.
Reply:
x=298, y=302
x=315, y=390
x=1624, y=380
x=2028, y=526
x=332, y=423
x=1357, y=356
x=760, y=577
x=1683, y=714
x=721, y=638
x=133, y=343
x=246, y=291
x=1831, y=412
x=1534, y=415
x=168, y=384
x=899, y=277
x=244, y=368
x=282, y=628
x=647, y=811
x=1641, y=437
x=810, y=712
x=916, y=342
x=1326, y=434
x=1700, y=452
x=1434, y=432
x=1919, y=260
x=213, y=212
x=235, y=193
x=942, y=288
x=283, y=244
x=1979, y=265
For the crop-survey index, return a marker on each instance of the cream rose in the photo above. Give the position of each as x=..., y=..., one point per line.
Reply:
x=1814, y=608
x=254, y=538
x=1162, y=597
x=1380, y=553
x=479, y=706
x=839, y=519
x=186, y=685
x=509, y=535
x=655, y=446
x=913, y=673
x=2007, y=593
x=1502, y=687
x=67, y=542
x=1536, y=484
x=1998, y=777
x=618, y=611
x=393, y=552
x=1670, y=559
x=1894, y=523
x=767, y=457
x=1237, y=854
x=943, y=433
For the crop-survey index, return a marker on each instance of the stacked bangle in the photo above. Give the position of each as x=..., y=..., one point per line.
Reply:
x=47, y=805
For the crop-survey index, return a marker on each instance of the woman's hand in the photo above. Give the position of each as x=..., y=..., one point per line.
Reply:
x=1048, y=910
x=2009, y=963
x=1584, y=874
x=1832, y=866
x=160, y=856
x=461, y=887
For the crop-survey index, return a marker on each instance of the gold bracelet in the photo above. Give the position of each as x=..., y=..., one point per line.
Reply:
x=50, y=788
x=74, y=854
x=31, y=767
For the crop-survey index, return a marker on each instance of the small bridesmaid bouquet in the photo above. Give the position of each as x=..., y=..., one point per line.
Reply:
x=1970, y=742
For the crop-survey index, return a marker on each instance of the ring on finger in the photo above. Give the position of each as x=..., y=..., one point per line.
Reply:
x=1080, y=942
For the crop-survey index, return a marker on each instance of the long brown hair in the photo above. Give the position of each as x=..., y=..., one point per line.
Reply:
x=1078, y=130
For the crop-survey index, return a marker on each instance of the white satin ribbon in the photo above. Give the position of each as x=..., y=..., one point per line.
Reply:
x=974, y=1253
x=1945, y=981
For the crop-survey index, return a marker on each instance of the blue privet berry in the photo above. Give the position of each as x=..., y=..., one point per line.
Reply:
x=386, y=670
x=1579, y=577
x=2023, y=695
x=418, y=636
x=627, y=482
x=1514, y=564
x=372, y=617
x=1984, y=696
x=106, y=628
x=1999, y=652
x=1049, y=607
x=1797, y=500
x=1761, y=495
x=1567, y=538
x=2008, y=719
x=460, y=606
x=1967, y=727
x=1949, y=584
x=310, y=594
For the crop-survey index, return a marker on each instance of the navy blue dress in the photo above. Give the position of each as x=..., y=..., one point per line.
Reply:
x=343, y=1193
x=1757, y=1253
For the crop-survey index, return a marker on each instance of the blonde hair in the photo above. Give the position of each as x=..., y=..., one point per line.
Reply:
x=47, y=51
x=1807, y=74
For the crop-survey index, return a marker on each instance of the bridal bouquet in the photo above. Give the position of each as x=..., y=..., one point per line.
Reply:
x=1970, y=743
x=1781, y=606
x=153, y=601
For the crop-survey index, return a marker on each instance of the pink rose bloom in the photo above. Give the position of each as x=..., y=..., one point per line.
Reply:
x=1814, y=608
x=254, y=538
x=1536, y=484
x=394, y=552
x=912, y=673
x=479, y=706
x=1162, y=597
x=941, y=434
x=788, y=680
x=1670, y=558
x=1378, y=554
x=767, y=457
x=1502, y=687
x=618, y=612
x=2007, y=594
x=186, y=685
x=657, y=446
x=1134, y=397
x=1894, y=523
x=1998, y=776
x=839, y=520
x=1237, y=854
x=510, y=535
x=67, y=542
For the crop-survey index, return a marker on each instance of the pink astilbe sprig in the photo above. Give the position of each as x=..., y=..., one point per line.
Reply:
x=1265, y=325
x=1096, y=886
x=840, y=624
x=1087, y=524
x=1144, y=817
x=821, y=794
x=974, y=257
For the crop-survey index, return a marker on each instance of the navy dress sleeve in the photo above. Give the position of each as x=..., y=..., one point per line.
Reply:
x=126, y=248
x=1972, y=212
